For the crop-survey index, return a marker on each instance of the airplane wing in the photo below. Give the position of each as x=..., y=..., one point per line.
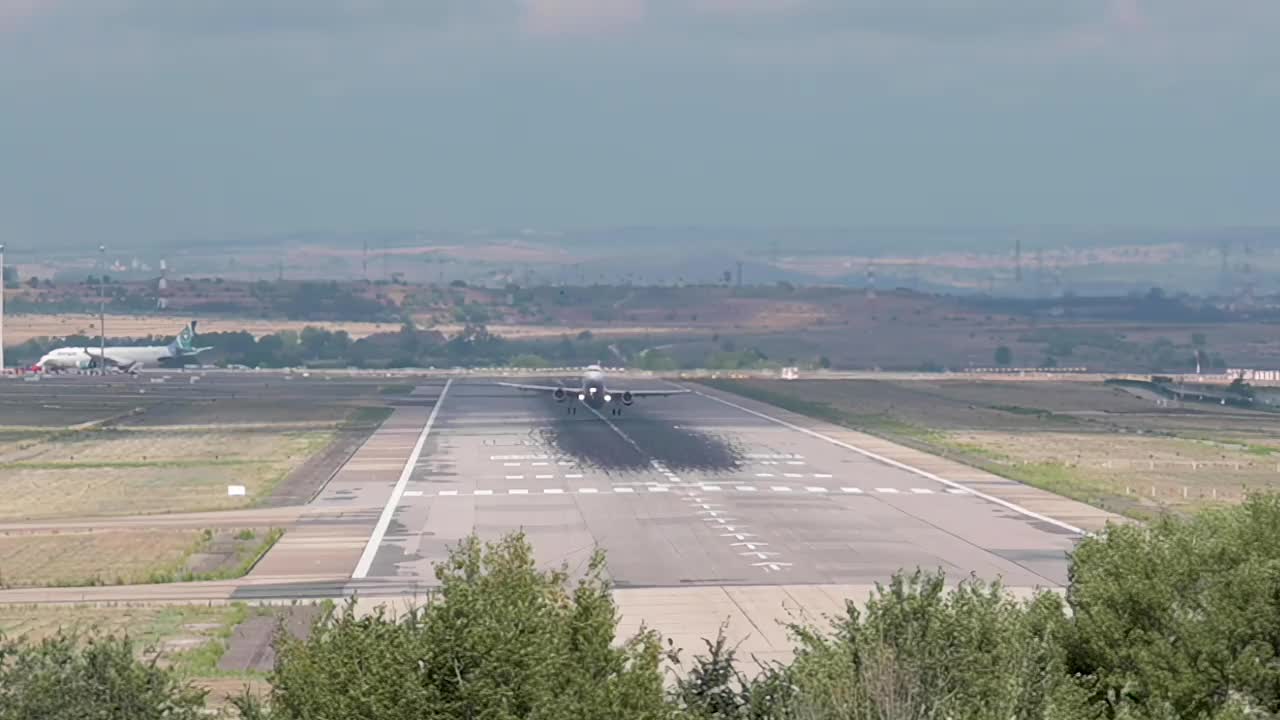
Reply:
x=658, y=393
x=539, y=388
x=104, y=359
x=109, y=362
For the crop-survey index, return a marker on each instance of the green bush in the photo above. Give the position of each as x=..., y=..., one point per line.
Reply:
x=915, y=651
x=529, y=360
x=70, y=677
x=1181, y=619
x=502, y=640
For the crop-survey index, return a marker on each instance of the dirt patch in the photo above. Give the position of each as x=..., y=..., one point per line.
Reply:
x=251, y=647
x=227, y=553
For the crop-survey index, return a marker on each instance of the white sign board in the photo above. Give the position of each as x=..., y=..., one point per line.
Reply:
x=235, y=491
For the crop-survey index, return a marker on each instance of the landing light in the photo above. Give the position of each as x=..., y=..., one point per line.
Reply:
x=608, y=398
x=581, y=396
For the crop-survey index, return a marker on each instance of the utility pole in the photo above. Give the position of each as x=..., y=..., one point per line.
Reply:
x=1017, y=261
x=102, y=310
x=739, y=274
x=1, y=308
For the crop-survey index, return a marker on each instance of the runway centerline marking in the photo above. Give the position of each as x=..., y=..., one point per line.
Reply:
x=901, y=466
x=384, y=520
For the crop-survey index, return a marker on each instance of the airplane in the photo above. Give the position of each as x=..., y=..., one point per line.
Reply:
x=593, y=393
x=123, y=358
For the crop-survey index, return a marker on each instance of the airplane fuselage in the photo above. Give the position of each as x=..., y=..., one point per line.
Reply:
x=593, y=392
x=71, y=358
x=129, y=358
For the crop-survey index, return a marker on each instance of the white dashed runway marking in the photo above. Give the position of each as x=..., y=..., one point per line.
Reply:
x=654, y=488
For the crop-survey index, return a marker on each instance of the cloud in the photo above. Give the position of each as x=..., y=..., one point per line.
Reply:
x=749, y=7
x=561, y=17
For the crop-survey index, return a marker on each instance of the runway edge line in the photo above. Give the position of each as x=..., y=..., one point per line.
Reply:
x=903, y=466
x=384, y=520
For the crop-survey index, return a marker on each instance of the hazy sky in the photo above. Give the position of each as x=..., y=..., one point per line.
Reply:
x=183, y=118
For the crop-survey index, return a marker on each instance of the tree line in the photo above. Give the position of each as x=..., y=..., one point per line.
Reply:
x=410, y=346
x=1176, y=620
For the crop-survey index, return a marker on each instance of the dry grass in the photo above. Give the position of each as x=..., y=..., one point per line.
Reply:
x=189, y=638
x=20, y=328
x=178, y=444
x=544, y=332
x=88, y=558
x=153, y=472
x=1090, y=442
x=146, y=623
x=1177, y=473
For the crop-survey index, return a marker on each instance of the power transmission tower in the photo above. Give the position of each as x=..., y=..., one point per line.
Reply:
x=162, y=286
x=1039, y=272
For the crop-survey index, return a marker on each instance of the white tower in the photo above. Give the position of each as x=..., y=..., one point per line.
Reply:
x=162, y=287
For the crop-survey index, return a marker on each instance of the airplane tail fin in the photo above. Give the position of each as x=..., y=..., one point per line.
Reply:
x=186, y=339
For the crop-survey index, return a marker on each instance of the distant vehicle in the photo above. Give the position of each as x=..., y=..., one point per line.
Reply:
x=593, y=392
x=122, y=358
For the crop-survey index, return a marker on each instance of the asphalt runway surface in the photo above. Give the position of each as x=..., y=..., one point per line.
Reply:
x=692, y=490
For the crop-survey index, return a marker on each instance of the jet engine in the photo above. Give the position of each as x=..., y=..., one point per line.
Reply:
x=626, y=398
x=559, y=395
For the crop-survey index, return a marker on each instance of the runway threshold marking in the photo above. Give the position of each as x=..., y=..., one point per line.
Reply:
x=384, y=520
x=951, y=484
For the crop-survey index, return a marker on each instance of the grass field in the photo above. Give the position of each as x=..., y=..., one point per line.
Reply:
x=147, y=471
x=190, y=638
x=84, y=558
x=1094, y=443
x=129, y=556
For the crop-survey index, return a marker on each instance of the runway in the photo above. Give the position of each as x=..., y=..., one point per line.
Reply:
x=710, y=507
x=692, y=490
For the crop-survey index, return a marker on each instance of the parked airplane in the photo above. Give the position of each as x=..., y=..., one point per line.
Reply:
x=594, y=393
x=125, y=358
